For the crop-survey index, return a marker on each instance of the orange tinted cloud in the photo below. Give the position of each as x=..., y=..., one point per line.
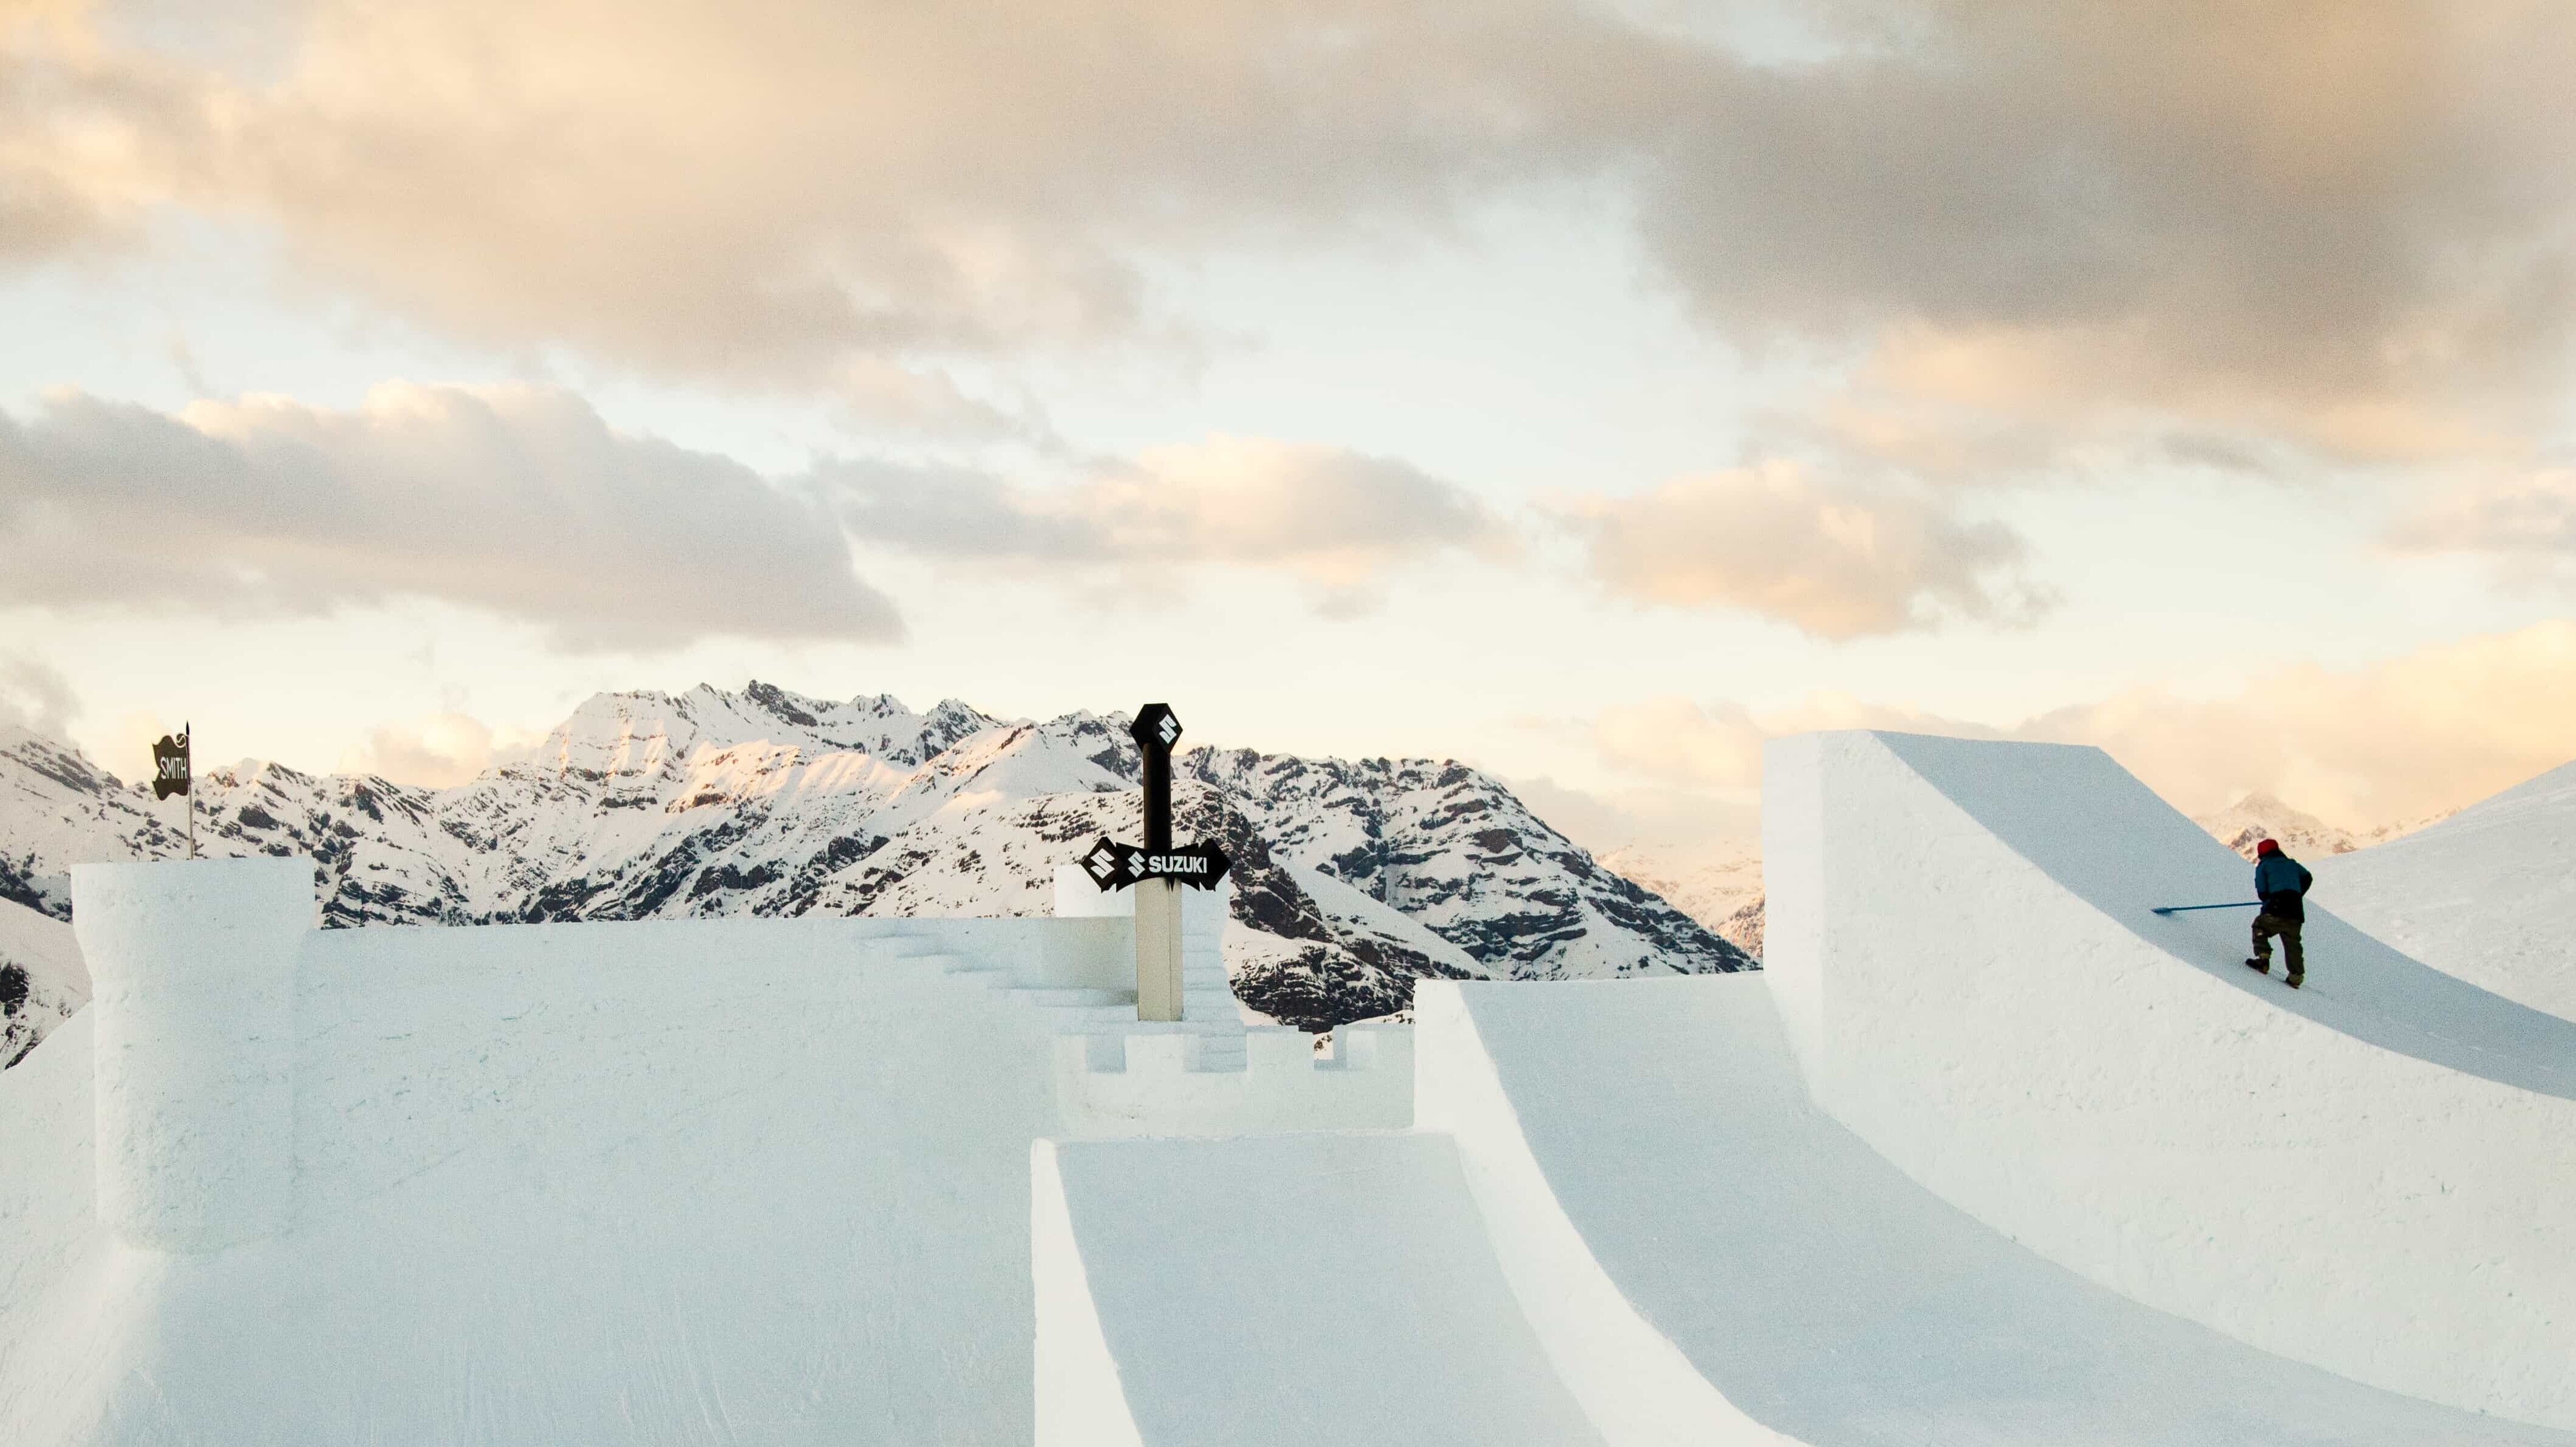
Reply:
x=1777, y=542
x=2385, y=743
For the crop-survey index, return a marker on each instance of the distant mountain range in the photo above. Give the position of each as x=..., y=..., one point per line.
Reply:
x=1353, y=879
x=1722, y=889
x=2258, y=816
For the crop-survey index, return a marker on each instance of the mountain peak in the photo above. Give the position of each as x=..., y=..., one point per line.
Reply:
x=764, y=801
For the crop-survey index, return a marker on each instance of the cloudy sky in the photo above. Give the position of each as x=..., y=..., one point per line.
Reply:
x=1587, y=390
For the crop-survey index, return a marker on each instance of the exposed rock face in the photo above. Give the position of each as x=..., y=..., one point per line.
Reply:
x=41, y=979
x=764, y=802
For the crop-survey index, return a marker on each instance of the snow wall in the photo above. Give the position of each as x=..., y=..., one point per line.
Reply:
x=193, y=995
x=2373, y=1175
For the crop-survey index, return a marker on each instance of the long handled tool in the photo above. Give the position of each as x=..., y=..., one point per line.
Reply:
x=2179, y=908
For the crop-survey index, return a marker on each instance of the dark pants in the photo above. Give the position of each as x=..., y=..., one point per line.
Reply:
x=2268, y=924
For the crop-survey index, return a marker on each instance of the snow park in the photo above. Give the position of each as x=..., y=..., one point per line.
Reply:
x=1992, y=1149
x=1150, y=723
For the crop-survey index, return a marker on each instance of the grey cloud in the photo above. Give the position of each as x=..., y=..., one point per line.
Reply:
x=762, y=192
x=881, y=397
x=35, y=695
x=516, y=500
x=2531, y=516
x=42, y=214
x=1342, y=521
x=2334, y=223
x=2342, y=225
x=1834, y=562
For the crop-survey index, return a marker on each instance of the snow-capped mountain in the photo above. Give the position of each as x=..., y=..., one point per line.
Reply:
x=41, y=979
x=1720, y=889
x=1352, y=879
x=2258, y=816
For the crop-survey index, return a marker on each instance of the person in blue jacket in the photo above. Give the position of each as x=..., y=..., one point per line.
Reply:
x=2281, y=883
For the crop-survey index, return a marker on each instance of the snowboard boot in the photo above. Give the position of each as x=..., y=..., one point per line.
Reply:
x=2259, y=966
x=2294, y=981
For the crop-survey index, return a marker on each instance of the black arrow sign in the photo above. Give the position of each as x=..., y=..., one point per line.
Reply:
x=1113, y=865
x=1199, y=866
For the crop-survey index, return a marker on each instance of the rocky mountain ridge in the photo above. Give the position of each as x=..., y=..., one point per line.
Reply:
x=766, y=802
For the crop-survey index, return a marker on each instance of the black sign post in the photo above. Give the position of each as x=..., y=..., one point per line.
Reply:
x=171, y=775
x=1157, y=871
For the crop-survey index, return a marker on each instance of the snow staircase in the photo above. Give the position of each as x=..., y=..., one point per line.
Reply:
x=1210, y=1022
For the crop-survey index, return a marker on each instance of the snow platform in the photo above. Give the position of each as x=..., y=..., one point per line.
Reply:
x=676, y=1182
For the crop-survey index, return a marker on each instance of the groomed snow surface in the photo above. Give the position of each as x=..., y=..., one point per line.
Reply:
x=2488, y=894
x=1990, y=1155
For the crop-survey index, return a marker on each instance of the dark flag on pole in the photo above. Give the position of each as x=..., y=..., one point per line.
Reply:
x=171, y=775
x=170, y=765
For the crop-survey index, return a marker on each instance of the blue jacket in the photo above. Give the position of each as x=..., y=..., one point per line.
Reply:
x=2280, y=881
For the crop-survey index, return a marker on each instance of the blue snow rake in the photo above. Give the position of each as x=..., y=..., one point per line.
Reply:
x=2179, y=908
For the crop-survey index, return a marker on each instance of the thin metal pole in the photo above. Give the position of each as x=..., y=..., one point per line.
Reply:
x=1158, y=798
x=1158, y=901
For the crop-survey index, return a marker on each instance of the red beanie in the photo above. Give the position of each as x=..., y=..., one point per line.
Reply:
x=2266, y=847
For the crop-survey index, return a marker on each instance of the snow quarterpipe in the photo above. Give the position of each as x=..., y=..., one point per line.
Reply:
x=2372, y=1175
x=1710, y=1260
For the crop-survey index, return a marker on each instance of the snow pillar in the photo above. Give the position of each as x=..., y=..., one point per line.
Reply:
x=1158, y=949
x=1205, y=991
x=193, y=966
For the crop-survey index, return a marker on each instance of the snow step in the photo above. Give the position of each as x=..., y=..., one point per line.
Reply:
x=1121, y=1020
x=1061, y=997
x=1114, y=1013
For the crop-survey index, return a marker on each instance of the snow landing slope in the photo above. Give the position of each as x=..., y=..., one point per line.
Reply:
x=1177, y=1294
x=1734, y=1266
x=2369, y=1174
x=2488, y=895
x=765, y=803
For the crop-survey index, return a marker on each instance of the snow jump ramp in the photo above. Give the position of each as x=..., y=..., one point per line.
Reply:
x=1990, y=1154
x=2375, y=1175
